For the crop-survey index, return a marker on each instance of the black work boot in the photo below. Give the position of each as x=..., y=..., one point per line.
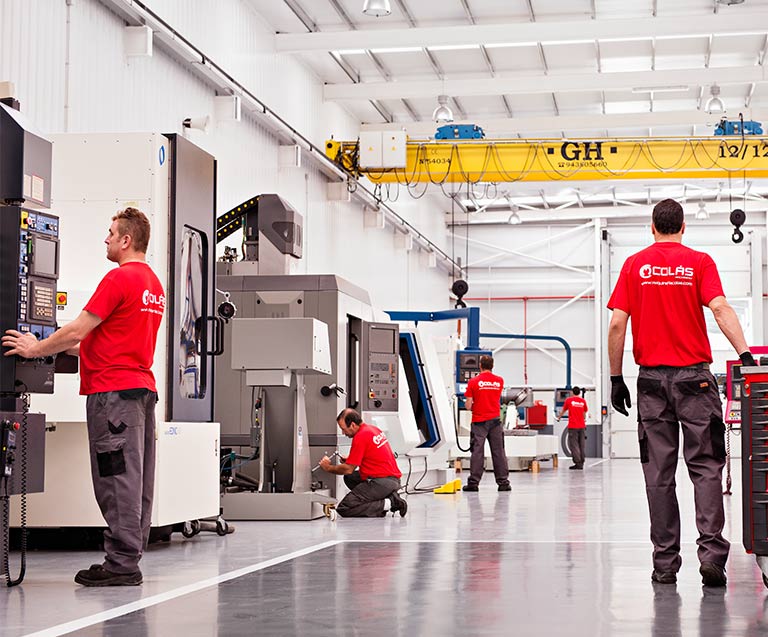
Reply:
x=97, y=575
x=470, y=487
x=398, y=504
x=664, y=577
x=712, y=574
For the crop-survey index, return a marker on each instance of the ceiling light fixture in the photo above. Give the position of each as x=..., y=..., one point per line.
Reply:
x=714, y=103
x=701, y=213
x=729, y=2
x=377, y=8
x=677, y=88
x=442, y=114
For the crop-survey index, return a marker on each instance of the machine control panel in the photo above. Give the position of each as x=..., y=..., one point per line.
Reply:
x=29, y=265
x=561, y=395
x=468, y=364
x=380, y=369
x=8, y=431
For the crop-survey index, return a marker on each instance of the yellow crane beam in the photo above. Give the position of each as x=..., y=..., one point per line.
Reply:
x=565, y=160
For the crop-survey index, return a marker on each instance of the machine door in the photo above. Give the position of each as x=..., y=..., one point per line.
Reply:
x=194, y=336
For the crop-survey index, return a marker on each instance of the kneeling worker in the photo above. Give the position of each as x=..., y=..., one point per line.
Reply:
x=374, y=485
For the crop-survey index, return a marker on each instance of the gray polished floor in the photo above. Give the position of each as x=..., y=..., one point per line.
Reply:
x=564, y=553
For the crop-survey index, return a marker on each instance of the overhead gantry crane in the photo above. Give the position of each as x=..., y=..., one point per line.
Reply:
x=516, y=160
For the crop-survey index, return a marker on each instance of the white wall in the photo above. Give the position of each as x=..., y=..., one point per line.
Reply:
x=101, y=90
x=541, y=259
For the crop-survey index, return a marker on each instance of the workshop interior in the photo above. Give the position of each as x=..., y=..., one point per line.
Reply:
x=352, y=202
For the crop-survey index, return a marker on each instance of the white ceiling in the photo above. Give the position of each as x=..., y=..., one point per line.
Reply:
x=539, y=68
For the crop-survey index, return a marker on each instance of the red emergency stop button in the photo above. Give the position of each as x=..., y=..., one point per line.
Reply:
x=16, y=426
x=61, y=298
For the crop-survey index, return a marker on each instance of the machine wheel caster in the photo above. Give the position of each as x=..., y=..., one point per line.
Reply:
x=329, y=510
x=191, y=528
x=535, y=466
x=223, y=528
x=762, y=563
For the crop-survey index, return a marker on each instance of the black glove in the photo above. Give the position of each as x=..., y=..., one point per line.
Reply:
x=747, y=359
x=620, y=398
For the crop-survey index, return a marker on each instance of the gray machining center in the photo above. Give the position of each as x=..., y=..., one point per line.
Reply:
x=278, y=391
x=173, y=182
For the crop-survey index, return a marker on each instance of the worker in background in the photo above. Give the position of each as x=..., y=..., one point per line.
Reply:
x=115, y=337
x=663, y=288
x=576, y=408
x=483, y=399
x=374, y=485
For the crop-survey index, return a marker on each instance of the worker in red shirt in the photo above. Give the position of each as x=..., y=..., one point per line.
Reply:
x=370, y=471
x=575, y=407
x=483, y=399
x=115, y=337
x=663, y=289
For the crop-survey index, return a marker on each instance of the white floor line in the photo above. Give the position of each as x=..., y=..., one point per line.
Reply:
x=594, y=464
x=457, y=541
x=119, y=611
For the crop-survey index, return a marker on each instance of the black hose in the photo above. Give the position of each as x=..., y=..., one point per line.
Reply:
x=456, y=428
x=6, y=505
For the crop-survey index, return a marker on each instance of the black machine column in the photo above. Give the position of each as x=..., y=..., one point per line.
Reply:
x=29, y=269
x=754, y=459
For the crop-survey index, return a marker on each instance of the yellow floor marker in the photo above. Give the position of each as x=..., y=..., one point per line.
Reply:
x=449, y=487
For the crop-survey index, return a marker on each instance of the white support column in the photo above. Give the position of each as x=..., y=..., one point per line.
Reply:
x=604, y=282
x=598, y=321
x=756, y=285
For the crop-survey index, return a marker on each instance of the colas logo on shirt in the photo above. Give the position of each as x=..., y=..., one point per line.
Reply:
x=148, y=298
x=380, y=440
x=647, y=271
x=489, y=384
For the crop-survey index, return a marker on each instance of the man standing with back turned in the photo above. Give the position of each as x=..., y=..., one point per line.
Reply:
x=115, y=337
x=663, y=288
x=576, y=408
x=483, y=399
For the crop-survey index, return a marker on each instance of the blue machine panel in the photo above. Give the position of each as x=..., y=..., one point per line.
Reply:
x=421, y=399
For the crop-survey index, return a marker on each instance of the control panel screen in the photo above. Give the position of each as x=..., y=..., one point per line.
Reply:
x=44, y=257
x=382, y=341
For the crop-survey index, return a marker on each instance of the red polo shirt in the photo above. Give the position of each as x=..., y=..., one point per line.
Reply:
x=576, y=408
x=118, y=353
x=663, y=289
x=372, y=454
x=485, y=392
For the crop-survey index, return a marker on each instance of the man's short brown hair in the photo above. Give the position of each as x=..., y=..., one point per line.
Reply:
x=668, y=217
x=134, y=223
x=486, y=362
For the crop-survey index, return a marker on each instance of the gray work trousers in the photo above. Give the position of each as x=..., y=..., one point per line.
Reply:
x=480, y=432
x=689, y=396
x=121, y=435
x=577, y=443
x=366, y=497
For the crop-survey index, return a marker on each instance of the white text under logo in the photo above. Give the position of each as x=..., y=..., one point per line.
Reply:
x=647, y=271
